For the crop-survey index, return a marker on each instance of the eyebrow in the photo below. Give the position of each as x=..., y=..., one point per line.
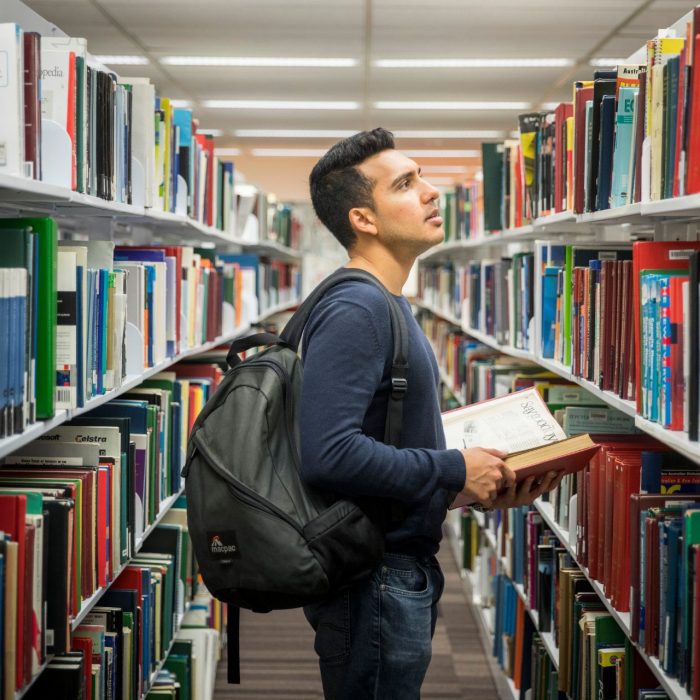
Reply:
x=403, y=176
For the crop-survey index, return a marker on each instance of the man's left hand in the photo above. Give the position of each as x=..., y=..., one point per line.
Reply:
x=526, y=492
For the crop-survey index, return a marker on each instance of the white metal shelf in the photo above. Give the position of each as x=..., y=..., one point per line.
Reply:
x=440, y=313
x=21, y=194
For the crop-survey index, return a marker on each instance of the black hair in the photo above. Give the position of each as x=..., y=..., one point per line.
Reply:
x=337, y=185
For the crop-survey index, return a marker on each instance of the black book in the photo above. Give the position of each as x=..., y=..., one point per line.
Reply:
x=112, y=619
x=127, y=600
x=545, y=576
x=60, y=681
x=601, y=86
x=605, y=152
x=58, y=571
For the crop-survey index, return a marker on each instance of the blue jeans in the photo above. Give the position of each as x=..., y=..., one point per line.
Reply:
x=374, y=639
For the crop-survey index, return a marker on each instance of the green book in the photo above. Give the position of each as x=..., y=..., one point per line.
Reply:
x=180, y=667
x=46, y=232
x=492, y=160
x=607, y=634
x=79, y=123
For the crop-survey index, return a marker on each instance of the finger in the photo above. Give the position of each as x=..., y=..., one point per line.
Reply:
x=508, y=474
x=558, y=480
x=525, y=489
x=547, y=484
x=495, y=453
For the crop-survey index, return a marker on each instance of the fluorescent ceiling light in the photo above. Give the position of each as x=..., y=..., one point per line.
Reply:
x=423, y=153
x=383, y=104
x=550, y=106
x=474, y=63
x=606, y=62
x=457, y=169
x=211, y=132
x=227, y=152
x=515, y=134
x=259, y=61
x=123, y=60
x=294, y=133
x=181, y=104
x=479, y=175
x=288, y=152
x=278, y=104
x=457, y=134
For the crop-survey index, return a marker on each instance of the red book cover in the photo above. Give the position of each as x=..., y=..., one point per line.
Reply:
x=693, y=156
x=132, y=579
x=32, y=102
x=186, y=370
x=102, y=525
x=606, y=531
x=70, y=121
x=659, y=256
x=13, y=512
x=630, y=468
x=207, y=144
x=561, y=113
x=84, y=644
x=581, y=96
x=592, y=515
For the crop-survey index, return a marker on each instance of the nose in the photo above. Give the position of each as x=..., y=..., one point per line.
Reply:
x=431, y=193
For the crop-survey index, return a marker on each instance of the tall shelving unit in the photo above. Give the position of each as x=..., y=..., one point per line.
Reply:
x=676, y=219
x=82, y=216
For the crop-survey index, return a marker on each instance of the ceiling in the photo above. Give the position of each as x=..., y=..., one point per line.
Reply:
x=365, y=30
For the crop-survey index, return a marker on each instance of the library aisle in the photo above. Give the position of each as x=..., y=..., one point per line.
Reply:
x=278, y=659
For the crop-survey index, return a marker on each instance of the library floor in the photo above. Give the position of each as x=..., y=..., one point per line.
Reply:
x=278, y=660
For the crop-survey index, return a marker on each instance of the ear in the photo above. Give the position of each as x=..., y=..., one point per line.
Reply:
x=363, y=220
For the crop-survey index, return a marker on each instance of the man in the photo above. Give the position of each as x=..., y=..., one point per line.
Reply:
x=374, y=640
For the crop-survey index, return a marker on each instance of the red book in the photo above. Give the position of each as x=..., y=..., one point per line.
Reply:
x=70, y=122
x=676, y=361
x=657, y=256
x=581, y=96
x=629, y=480
x=207, y=144
x=13, y=512
x=32, y=633
x=561, y=113
x=693, y=155
x=651, y=592
x=185, y=370
x=32, y=102
x=84, y=644
x=102, y=527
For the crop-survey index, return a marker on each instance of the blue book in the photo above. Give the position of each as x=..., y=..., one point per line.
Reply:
x=104, y=312
x=549, y=310
x=4, y=352
x=665, y=387
x=79, y=301
x=139, y=254
x=21, y=340
x=623, y=146
x=605, y=156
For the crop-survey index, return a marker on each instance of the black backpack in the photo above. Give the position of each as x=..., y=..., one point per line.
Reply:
x=263, y=539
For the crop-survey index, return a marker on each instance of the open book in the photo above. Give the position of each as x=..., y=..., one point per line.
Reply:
x=521, y=425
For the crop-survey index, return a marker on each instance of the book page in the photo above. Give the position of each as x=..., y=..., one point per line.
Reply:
x=512, y=423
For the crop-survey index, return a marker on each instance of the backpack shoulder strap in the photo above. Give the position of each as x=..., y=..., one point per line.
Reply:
x=292, y=332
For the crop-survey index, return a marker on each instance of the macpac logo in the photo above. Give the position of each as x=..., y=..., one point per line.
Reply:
x=216, y=546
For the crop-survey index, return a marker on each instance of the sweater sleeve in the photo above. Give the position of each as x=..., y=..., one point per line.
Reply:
x=343, y=366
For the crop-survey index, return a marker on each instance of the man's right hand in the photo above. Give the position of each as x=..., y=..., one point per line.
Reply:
x=487, y=474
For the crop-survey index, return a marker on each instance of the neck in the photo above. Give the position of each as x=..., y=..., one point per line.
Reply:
x=392, y=273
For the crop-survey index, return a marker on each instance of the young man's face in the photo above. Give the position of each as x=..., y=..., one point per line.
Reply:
x=405, y=206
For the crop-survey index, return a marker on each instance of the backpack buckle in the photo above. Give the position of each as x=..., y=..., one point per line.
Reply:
x=399, y=386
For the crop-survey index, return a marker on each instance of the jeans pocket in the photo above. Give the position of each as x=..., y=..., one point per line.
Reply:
x=404, y=576
x=331, y=622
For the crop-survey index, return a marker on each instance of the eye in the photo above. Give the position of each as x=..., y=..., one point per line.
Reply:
x=404, y=185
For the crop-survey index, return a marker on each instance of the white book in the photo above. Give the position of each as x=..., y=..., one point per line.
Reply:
x=55, y=84
x=143, y=139
x=77, y=45
x=81, y=263
x=135, y=293
x=12, y=99
x=67, y=331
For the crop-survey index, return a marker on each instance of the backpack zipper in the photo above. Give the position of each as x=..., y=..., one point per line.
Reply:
x=245, y=494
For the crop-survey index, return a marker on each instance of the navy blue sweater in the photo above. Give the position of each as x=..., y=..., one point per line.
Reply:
x=347, y=351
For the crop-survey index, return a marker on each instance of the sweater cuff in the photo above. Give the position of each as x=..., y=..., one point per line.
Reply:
x=453, y=471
